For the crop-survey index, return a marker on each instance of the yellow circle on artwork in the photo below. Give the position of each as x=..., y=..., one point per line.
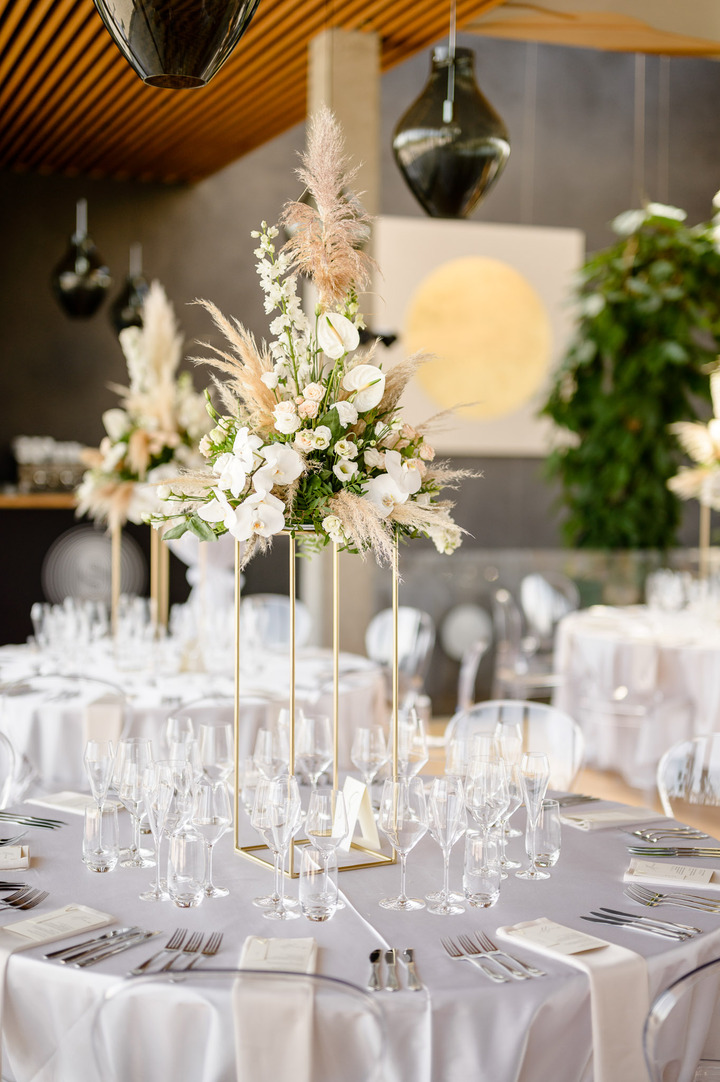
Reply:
x=489, y=330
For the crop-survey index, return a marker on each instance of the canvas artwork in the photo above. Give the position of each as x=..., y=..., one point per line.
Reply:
x=492, y=304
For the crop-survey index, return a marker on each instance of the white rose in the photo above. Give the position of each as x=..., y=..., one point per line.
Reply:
x=304, y=440
x=384, y=494
x=347, y=413
x=333, y=527
x=374, y=459
x=270, y=379
x=344, y=469
x=116, y=423
x=336, y=335
x=308, y=409
x=345, y=449
x=321, y=437
x=314, y=391
x=366, y=383
x=205, y=446
x=286, y=418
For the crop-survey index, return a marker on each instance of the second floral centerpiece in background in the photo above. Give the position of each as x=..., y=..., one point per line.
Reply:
x=311, y=435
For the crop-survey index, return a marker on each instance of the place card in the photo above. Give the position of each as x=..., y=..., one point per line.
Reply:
x=292, y=955
x=359, y=811
x=548, y=935
x=67, y=801
x=14, y=856
x=46, y=927
x=617, y=817
x=670, y=873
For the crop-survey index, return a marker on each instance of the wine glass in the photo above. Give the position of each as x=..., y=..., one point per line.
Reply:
x=412, y=744
x=486, y=793
x=249, y=776
x=157, y=791
x=447, y=820
x=178, y=730
x=216, y=750
x=99, y=759
x=326, y=823
x=276, y=815
x=515, y=797
x=403, y=821
x=211, y=817
x=313, y=746
x=369, y=753
x=271, y=754
x=534, y=778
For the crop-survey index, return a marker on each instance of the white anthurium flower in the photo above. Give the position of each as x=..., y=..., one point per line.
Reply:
x=116, y=423
x=346, y=449
x=246, y=447
x=346, y=411
x=231, y=473
x=286, y=418
x=345, y=469
x=336, y=335
x=366, y=383
x=404, y=472
x=384, y=494
x=259, y=514
x=218, y=510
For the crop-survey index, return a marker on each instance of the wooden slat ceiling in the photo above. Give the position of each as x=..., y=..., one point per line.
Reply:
x=69, y=102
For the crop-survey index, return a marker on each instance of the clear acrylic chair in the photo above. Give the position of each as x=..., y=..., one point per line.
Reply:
x=466, y=634
x=7, y=770
x=255, y=712
x=544, y=599
x=265, y=622
x=234, y=1025
x=545, y=730
x=681, y=1039
x=416, y=640
x=688, y=779
x=521, y=670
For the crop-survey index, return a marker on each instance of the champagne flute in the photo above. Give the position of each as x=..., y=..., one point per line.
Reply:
x=157, y=789
x=515, y=798
x=534, y=777
x=99, y=759
x=486, y=794
x=509, y=741
x=130, y=791
x=447, y=821
x=403, y=821
x=314, y=746
x=216, y=750
x=211, y=817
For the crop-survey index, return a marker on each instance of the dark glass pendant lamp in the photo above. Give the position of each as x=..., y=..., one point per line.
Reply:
x=127, y=308
x=176, y=44
x=81, y=279
x=451, y=146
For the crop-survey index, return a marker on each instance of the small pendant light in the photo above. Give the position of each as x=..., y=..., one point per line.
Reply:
x=176, y=44
x=451, y=146
x=81, y=279
x=127, y=308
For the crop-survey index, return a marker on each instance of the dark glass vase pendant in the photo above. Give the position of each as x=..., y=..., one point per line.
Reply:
x=127, y=308
x=81, y=279
x=451, y=152
x=176, y=44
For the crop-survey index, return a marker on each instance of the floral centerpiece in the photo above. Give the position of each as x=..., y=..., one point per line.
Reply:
x=157, y=429
x=702, y=444
x=311, y=436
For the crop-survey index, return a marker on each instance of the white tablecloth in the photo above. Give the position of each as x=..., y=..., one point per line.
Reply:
x=668, y=661
x=465, y=1029
x=53, y=739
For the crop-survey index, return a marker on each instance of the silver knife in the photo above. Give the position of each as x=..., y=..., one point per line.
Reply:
x=672, y=925
x=673, y=851
x=105, y=944
x=414, y=982
x=638, y=927
x=392, y=984
x=125, y=945
x=87, y=943
x=375, y=981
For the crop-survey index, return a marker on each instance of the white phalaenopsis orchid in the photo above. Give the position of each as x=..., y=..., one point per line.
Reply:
x=116, y=423
x=231, y=471
x=282, y=467
x=367, y=386
x=404, y=472
x=261, y=514
x=336, y=335
x=385, y=494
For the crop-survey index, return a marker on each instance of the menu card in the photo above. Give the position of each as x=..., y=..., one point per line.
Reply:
x=548, y=935
x=601, y=820
x=671, y=874
x=47, y=927
x=293, y=955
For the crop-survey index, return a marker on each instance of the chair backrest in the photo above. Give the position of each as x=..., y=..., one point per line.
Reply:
x=255, y=712
x=681, y=1039
x=466, y=633
x=544, y=729
x=233, y=1025
x=7, y=770
x=416, y=639
x=265, y=621
x=688, y=775
x=507, y=621
x=545, y=598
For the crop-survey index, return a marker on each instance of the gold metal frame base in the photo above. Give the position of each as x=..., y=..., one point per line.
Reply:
x=346, y=863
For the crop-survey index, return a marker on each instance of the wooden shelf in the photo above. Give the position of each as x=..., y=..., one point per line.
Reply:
x=38, y=501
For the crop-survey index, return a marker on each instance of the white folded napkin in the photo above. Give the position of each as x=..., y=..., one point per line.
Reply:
x=14, y=857
x=602, y=820
x=104, y=719
x=264, y=1011
x=668, y=874
x=619, y=997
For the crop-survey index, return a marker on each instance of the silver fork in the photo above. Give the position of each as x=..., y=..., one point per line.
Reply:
x=471, y=947
x=652, y=898
x=211, y=948
x=454, y=951
x=174, y=943
x=487, y=944
x=26, y=899
x=12, y=841
x=654, y=835
x=192, y=946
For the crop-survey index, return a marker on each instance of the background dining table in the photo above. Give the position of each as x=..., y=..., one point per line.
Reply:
x=460, y=1027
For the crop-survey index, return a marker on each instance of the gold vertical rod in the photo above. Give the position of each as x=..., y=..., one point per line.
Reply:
x=336, y=661
x=163, y=582
x=291, y=741
x=154, y=569
x=704, y=555
x=236, y=711
x=115, y=575
x=396, y=657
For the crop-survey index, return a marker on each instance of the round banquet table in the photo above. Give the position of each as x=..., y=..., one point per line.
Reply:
x=53, y=738
x=668, y=661
x=462, y=1027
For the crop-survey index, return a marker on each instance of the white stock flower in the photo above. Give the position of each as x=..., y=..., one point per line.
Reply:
x=445, y=538
x=314, y=391
x=262, y=514
x=384, y=494
x=403, y=472
x=345, y=469
x=116, y=422
x=231, y=473
x=270, y=379
x=286, y=418
x=304, y=440
x=374, y=459
x=345, y=449
x=333, y=527
x=321, y=437
x=366, y=382
x=346, y=411
x=336, y=335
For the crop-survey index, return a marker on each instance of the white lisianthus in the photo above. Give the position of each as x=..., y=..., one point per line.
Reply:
x=346, y=411
x=374, y=459
x=366, y=382
x=116, y=422
x=270, y=379
x=218, y=434
x=314, y=391
x=345, y=449
x=231, y=472
x=404, y=472
x=333, y=527
x=321, y=437
x=308, y=409
x=286, y=418
x=345, y=469
x=336, y=335
x=259, y=514
x=304, y=440
x=384, y=494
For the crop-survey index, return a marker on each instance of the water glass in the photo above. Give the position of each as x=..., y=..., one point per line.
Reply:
x=547, y=835
x=101, y=846
x=482, y=873
x=186, y=868
x=318, y=884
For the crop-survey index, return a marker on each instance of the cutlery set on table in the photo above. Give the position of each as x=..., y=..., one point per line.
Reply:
x=189, y=951
x=497, y=965
x=389, y=980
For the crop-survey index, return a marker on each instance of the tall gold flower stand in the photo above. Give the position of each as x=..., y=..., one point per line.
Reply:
x=159, y=581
